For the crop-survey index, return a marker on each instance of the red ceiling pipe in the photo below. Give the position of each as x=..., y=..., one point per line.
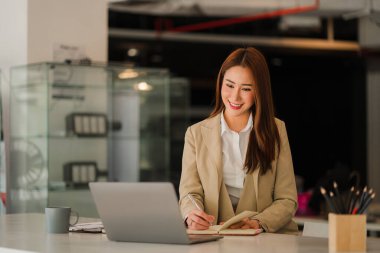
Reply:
x=243, y=19
x=158, y=25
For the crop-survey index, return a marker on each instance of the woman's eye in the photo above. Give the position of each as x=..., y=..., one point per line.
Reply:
x=229, y=85
x=246, y=89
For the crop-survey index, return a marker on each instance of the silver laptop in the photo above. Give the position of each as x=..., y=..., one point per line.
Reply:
x=142, y=212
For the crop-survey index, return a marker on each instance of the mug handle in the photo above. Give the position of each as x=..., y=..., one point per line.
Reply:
x=76, y=217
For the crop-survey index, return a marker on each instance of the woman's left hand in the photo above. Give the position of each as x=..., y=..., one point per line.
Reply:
x=246, y=224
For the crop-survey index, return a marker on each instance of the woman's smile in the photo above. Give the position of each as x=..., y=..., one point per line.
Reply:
x=235, y=106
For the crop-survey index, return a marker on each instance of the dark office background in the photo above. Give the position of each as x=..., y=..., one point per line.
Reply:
x=319, y=94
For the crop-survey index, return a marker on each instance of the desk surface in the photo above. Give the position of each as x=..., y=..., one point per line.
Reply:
x=27, y=232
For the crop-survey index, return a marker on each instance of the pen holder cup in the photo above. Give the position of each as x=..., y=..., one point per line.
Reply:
x=347, y=232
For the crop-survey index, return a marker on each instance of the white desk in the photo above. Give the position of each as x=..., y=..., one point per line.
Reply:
x=27, y=232
x=372, y=227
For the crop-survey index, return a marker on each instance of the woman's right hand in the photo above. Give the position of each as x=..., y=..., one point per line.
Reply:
x=199, y=220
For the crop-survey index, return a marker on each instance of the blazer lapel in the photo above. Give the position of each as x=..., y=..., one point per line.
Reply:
x=212, y=139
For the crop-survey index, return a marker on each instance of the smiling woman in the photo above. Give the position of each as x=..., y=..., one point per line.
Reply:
x=249, y=66
x=239, y=158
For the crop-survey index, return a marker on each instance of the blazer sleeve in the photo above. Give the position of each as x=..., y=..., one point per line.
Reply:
x=190, y=181
x=284, y=205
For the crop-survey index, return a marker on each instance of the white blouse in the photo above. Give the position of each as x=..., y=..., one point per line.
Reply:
x=234, y=149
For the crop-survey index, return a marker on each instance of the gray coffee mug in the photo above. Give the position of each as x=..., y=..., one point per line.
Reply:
x=58, y=219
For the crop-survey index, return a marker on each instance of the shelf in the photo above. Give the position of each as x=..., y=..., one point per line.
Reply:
x=59, y=137
x=80, y=86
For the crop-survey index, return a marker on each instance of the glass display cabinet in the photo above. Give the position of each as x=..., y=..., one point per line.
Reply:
x=74, y=124
x=141, y=148
x=179, y=121
x=2, y=155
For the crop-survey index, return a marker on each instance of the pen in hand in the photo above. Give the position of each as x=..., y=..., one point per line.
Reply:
x=195, y=203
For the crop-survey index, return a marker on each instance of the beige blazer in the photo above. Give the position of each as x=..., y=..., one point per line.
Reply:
x=273, y=195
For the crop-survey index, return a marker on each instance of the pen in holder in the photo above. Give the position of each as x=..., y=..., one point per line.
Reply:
x=347, y=224
x=347, y=232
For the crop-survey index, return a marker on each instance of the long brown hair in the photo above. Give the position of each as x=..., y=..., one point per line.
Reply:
x=264, y=135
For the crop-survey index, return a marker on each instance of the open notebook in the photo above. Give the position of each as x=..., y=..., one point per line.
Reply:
x=223, y=229
x=88, y=227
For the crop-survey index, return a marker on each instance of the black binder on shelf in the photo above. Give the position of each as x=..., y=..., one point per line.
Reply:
x=87, y=124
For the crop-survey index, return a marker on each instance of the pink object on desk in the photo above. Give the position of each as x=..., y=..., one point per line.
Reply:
x=303, y=204
x=3, y=197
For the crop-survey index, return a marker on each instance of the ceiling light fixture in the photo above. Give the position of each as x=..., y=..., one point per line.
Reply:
x=143, y=86
x=128, y=73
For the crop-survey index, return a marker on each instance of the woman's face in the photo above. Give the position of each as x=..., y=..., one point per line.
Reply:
x=238, y=92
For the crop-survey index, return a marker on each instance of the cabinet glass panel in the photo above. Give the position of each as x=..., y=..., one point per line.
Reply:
x=179, y=121
x=141, y=146
x=2, y=156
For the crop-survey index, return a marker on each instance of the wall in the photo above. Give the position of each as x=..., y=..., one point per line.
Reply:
x=73, y=22
x=13, y=33
x=373, y=123
x=369, y=38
